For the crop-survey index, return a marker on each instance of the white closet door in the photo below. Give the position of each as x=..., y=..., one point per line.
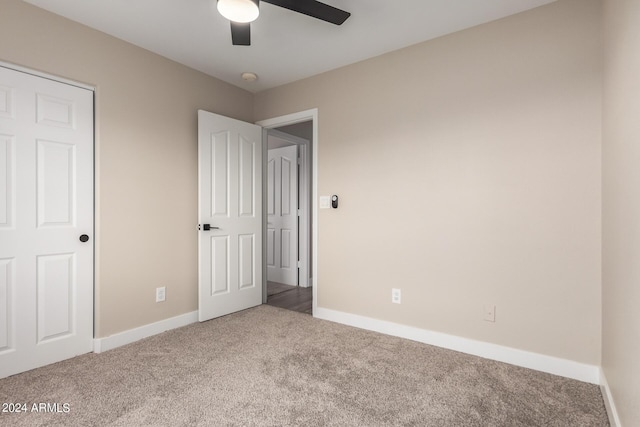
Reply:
x=46, y=221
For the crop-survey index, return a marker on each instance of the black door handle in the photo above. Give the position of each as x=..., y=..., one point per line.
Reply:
x=84, y=238
x=207, y=227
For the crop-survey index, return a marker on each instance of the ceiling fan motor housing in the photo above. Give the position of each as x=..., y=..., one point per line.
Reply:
x=241, y=29
x=241, y=11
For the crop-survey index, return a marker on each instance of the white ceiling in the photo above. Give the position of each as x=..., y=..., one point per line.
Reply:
x=286, y=46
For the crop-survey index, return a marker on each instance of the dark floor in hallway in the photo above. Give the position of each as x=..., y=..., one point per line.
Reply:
x=294, y=298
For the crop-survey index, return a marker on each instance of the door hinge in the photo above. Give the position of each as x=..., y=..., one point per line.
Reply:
x=299, y=212
x=299, y=264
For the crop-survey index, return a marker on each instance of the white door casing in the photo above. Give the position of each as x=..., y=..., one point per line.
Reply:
x=46, y=203
x=230, y=201
x=312, y=162
x=282, y=215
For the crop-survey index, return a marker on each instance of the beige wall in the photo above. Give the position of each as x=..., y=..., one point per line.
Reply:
x=621, y=207
x=468, y=169
x=146, y=158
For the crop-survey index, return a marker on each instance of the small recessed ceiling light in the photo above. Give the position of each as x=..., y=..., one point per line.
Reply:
x=249, y=77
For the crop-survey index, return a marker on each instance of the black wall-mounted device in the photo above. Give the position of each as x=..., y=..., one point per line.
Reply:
x=334, y=201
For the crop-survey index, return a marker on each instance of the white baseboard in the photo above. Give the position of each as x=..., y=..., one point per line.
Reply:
x=614, y=419
x=553, y=365
x=133, y=335
x=539, y=362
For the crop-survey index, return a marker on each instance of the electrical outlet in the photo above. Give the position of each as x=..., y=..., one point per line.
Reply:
x=396, y=296
x=161, y=294
x=490, y=313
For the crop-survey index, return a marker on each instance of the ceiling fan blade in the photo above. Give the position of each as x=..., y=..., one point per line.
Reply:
x=240, y=34
x=314, y=9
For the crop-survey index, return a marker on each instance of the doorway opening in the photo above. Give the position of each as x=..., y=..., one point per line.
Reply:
x=289, y=212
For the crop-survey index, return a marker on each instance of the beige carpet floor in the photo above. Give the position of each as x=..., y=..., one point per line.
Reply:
x=272, y=367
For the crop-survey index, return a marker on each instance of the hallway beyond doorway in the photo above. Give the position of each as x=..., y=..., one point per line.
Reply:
x=293, y=298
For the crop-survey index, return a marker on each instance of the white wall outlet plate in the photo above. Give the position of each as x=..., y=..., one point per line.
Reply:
x=396, y=296
x=161, y=294
x=489, y=312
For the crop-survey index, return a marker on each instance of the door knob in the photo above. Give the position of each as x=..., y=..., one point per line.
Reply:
x=84, y=238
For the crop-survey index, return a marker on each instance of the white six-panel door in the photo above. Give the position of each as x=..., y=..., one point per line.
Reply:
x=282, y=215
x=46, y=204
x=230, y=202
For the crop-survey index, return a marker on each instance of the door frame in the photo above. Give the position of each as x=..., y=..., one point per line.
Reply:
x=290, y=119
x=58, y=79
x=304, y=223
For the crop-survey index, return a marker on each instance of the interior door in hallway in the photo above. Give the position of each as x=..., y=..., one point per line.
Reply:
x=230, y=215
x=282, y=215
x=46, y=221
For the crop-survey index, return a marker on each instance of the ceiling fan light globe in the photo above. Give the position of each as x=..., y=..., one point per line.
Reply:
x=242, y=11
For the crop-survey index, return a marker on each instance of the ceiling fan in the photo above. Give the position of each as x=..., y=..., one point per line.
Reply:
x=242, y=12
